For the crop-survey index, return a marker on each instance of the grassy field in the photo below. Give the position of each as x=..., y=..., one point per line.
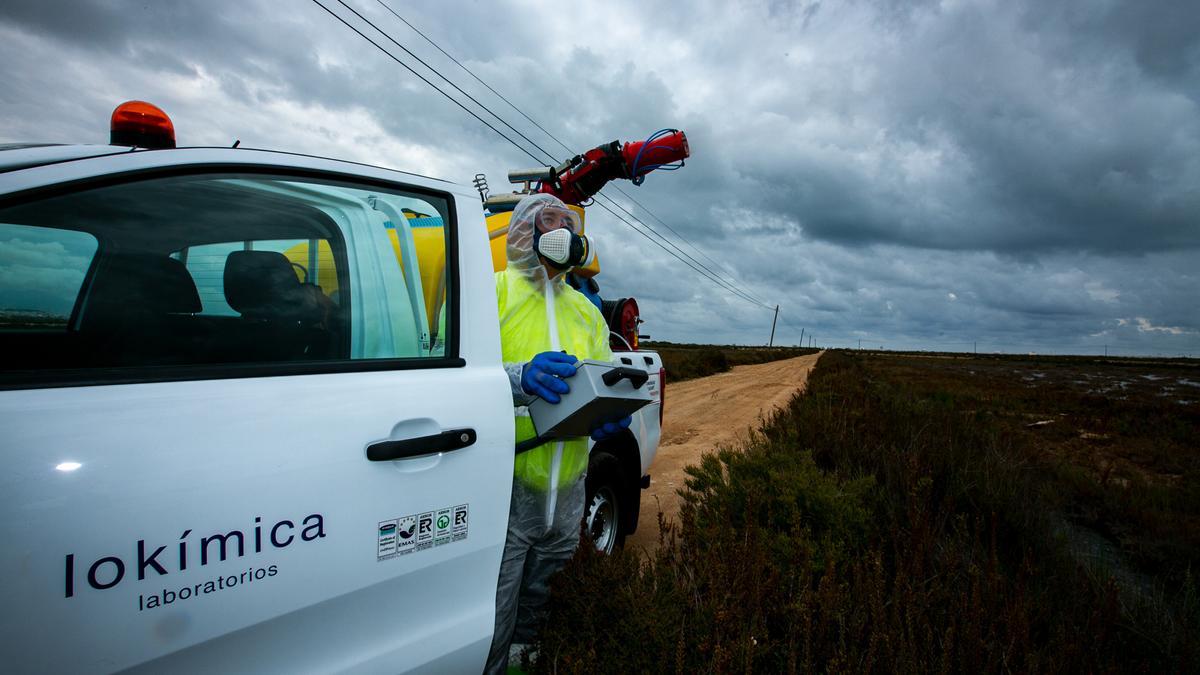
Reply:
x=687, y=361
x=921, y=513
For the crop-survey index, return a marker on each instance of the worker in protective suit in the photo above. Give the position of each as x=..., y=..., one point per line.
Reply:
x=545, y=327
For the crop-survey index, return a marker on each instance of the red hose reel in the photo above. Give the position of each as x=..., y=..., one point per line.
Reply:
x=623, y=318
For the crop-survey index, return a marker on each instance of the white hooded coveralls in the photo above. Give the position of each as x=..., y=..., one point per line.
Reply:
x=538, y=314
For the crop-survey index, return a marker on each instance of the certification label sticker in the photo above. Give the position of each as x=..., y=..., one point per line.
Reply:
x=420, y=531
x=459, y=529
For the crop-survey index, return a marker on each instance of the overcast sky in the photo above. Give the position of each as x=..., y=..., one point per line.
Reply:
x=1025, y=175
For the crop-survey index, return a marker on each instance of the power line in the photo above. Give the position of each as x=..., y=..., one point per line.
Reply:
x=714, y=279
x=673, y=230
x=699, y=268
x=447, y=80
x=683, y=239
x=477, y=79
x=793, y=326
x=552, y=136
x=708, y=273
x=424, y=79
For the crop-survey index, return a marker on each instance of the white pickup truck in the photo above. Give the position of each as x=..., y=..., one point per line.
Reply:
x=201, y=348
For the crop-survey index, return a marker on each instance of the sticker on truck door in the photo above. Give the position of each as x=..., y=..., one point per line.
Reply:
x=422, y=531
x=397, y=537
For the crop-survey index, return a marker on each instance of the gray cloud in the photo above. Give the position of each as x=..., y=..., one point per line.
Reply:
x=968, y=134
x=1017, y=173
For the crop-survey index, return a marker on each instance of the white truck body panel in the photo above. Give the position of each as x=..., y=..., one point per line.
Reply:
x=235, y=524
x=280, y=462
x=208, y=457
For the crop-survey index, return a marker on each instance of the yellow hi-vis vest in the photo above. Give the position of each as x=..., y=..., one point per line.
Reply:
x=525, y=323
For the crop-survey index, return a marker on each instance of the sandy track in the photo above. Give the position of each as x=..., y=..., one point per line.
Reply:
x=704, y=414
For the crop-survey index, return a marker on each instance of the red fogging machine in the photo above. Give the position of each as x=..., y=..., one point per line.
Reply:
x=582, y=176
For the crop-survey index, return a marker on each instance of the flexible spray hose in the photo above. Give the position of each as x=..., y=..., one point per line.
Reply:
x=637, y=179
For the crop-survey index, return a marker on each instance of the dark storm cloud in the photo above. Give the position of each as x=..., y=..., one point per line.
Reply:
x=258, y=55
x=1161, y=35
x=256, y=51
x=92, y=24
x=1026, y=151
x=900, y=171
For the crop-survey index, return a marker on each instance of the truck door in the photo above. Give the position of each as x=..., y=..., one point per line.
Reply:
x=231, y=441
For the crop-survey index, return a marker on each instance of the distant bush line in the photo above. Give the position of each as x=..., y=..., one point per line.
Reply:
x=686, y=362
x=870, y=526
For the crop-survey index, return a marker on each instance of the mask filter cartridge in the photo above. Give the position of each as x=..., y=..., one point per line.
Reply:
x=563, y=248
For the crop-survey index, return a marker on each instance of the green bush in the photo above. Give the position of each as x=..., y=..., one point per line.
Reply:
x=759, y=527
x=782, y=497
x=869, y=527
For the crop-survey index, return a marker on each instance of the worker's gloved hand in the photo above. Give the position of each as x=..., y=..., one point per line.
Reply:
x=610, y=429
x=542, y=376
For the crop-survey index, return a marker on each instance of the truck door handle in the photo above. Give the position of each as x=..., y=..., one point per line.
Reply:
x=454, y=439
x=637, y=376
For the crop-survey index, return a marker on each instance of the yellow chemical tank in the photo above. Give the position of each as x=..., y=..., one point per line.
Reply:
x=429, y=241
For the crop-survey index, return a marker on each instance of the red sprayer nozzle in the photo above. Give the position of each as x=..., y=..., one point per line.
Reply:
x=589, y=172
x=642, y=157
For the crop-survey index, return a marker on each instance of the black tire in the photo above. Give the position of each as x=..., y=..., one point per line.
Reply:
x=604, y=508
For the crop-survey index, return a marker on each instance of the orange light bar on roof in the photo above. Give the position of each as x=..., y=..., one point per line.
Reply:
x=143, y=125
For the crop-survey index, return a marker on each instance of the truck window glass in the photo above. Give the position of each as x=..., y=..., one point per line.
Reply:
x=222, y=269
x=41, y=272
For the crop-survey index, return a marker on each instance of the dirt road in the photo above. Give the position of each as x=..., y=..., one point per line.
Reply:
x=707, y=413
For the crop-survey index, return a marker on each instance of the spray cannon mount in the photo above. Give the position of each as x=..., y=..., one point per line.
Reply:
x=579, y=178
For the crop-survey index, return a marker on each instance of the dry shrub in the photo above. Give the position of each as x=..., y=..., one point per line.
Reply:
x=863, y=529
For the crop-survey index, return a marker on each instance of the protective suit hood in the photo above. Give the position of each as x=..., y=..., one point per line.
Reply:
x=522, y=258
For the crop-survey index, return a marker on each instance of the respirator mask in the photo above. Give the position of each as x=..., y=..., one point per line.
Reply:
x=555, y=240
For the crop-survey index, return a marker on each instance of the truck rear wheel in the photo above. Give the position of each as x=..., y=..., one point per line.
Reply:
x=605, y=491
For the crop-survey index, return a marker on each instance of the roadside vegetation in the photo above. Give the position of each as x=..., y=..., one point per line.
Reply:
x=687, y=361
x=915, y=514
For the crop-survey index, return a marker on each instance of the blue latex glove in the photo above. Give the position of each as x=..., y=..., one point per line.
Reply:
x=542, y=376
x=610, y=429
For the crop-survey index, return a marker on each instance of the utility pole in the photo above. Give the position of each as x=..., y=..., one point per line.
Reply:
x=860, y=344
x=772, y=342
x=802, y=338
